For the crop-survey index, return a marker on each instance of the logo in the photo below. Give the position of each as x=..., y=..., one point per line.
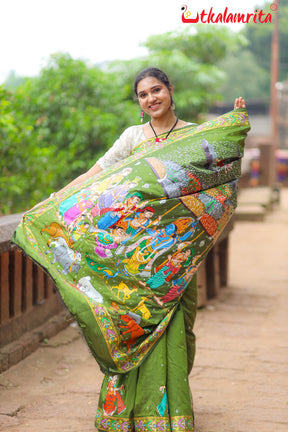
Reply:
x=258, y=16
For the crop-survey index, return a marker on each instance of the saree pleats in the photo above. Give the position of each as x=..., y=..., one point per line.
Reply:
x=156, y=396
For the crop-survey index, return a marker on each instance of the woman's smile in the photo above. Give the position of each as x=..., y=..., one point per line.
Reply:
x=155, y=106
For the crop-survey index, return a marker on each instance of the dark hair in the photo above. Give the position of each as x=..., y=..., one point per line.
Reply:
x=151, y=72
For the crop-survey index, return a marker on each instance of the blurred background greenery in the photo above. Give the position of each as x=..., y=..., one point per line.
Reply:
x=55, y=126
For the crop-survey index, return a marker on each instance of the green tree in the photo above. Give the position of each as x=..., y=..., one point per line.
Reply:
x=14, y=173
x=248, y=69
x=75, y=109
x=71, y=114
x=260, y=38
x=244, y=77
x=190, y=60
x=59, y=123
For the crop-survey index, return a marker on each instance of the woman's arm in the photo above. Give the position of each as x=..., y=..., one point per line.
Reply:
x=121, y=149
x=90, y=173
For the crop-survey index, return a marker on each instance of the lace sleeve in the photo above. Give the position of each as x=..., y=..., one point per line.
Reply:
x=123, y=146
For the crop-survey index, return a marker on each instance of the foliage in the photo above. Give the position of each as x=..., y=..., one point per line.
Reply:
x=12, y=138
x=189, y=60
x=75, y=110
x=244, y=77
x=260, y=38
x=66, y=118
x=248, y=68
x=56, y=125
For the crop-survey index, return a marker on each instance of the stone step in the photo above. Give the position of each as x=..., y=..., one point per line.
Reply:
x=250, y=212
x=261, y=196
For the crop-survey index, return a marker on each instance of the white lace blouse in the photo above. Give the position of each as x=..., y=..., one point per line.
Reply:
x=123, y=147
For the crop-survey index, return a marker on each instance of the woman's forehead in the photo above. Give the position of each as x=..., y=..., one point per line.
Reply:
x=147, y=83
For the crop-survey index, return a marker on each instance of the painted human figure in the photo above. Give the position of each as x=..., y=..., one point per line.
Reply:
x=141, y=221
x=106, y=241
x=179, y=285
x=156, y=243
x=84, y=201
x=113, y=401
x=113, y=215
x=112, y=198
x=136, y=224
x=169, y=268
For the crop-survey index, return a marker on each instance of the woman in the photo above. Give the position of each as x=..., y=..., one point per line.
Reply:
x=141, y=335
x=154, y=92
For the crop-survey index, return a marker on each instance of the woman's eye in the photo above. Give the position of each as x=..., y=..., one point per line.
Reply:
x=156, y=90
x=142, y=95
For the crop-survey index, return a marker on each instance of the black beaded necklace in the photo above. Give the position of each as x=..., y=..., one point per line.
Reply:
x=163, y=139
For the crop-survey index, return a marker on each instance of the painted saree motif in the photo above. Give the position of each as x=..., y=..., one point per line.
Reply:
x=123, y=246
x=113, y=402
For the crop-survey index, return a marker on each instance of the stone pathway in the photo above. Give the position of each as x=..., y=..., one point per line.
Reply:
x=240, y=378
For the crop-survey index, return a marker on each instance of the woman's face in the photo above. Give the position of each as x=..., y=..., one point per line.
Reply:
x=154, y=97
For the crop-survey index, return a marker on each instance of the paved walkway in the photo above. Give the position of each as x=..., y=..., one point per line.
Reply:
x=240, y=378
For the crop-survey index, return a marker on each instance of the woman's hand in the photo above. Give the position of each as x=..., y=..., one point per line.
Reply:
x=239, y=103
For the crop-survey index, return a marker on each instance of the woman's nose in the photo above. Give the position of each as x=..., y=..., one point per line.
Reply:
x=151, y=97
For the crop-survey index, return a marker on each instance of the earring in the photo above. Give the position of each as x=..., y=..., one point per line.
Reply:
x=141, y=116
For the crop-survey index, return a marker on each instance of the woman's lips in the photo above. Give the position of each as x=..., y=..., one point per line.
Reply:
x=154, y=106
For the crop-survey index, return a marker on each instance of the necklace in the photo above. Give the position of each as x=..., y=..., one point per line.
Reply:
x=163, y=139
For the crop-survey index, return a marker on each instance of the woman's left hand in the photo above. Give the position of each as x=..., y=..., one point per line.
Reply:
x=239, y=103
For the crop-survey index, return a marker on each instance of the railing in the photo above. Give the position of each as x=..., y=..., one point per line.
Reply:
x=27, y=298
x=24, y=284
x=28, y=301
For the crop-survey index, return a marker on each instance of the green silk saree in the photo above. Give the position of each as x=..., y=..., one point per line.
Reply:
x=123, y=249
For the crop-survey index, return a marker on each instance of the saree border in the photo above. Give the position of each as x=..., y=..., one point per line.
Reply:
x=144, y=424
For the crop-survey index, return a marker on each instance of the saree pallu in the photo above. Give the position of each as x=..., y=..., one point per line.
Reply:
x=123, y=249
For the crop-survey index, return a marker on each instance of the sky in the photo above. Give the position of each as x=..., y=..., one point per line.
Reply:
x=93, y=30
